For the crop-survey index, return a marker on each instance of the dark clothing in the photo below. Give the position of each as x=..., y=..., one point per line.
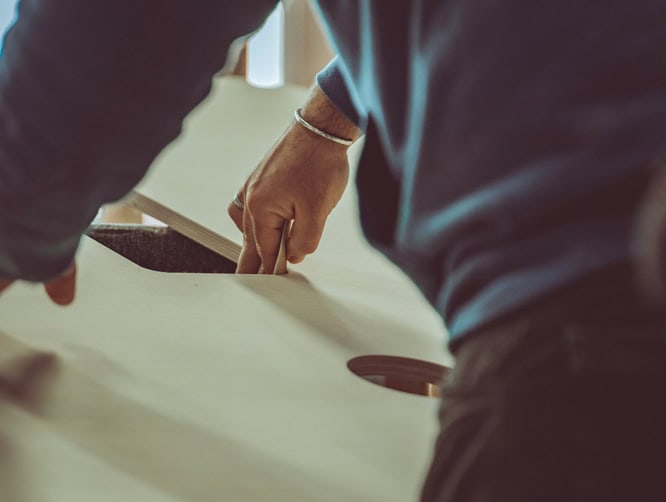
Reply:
x=516, y=140
x=556, y=405
x=90, y=92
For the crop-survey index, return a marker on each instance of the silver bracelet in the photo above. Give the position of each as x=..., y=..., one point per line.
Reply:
x=299, y=118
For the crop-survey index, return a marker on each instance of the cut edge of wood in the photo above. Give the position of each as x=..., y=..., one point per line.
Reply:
x=189, y=228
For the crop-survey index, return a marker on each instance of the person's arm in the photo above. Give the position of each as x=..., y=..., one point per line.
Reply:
x=90, y=92
x=302, y=178
x=331, y=80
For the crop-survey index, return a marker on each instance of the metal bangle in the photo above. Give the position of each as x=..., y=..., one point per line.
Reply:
x=299, y=118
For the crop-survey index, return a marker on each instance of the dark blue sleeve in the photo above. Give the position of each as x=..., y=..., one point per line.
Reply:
x=90, y=92
x=332, y=82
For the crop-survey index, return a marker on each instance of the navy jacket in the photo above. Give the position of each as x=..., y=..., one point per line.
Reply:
x=508, y=143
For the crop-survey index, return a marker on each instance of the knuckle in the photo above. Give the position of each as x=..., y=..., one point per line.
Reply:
x=255, y=202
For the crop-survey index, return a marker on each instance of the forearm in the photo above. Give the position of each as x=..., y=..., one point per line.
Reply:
x=90, y=92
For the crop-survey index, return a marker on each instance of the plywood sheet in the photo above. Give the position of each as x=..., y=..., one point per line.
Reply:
x=196, y=385
x=157, y=386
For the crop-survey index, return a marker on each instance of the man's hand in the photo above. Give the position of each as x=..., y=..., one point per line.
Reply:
x=61, y=289
x=302, y=179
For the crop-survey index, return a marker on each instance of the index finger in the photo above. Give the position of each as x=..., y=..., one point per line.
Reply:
x=268, y=237
x=249, y=261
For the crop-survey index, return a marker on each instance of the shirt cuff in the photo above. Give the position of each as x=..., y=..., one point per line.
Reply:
x=333, y=84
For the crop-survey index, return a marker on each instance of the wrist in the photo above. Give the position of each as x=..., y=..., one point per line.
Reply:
x=346, y=142
x=320, y=113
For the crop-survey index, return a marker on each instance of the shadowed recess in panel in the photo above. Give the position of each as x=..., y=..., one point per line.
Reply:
x=160, y=248
x=403, y=374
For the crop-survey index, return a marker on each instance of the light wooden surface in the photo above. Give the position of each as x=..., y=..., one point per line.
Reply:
x=165, y=387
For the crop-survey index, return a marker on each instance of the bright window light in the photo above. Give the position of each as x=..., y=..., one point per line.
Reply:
x=264, y=67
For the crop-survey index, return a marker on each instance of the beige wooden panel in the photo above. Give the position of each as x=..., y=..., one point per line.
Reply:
x=157, y=386
x=193, y=385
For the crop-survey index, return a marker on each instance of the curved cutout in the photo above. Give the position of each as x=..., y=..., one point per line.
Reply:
x=403, y=374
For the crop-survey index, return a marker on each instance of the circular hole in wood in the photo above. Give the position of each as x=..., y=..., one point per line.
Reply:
x=400, y=373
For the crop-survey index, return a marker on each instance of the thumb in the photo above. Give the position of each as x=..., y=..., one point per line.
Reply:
x=304, y=237
x=62, y=289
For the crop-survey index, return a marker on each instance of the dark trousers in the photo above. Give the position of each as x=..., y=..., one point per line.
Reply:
x=541, y=408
